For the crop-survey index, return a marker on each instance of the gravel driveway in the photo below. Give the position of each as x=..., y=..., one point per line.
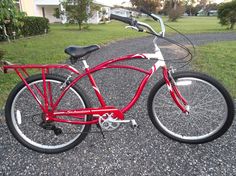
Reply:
x=127, y=152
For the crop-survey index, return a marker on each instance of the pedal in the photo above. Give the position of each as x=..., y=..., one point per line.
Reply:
x=134, y=124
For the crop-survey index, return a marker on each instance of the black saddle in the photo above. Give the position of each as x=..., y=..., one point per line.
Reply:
x=79, y=51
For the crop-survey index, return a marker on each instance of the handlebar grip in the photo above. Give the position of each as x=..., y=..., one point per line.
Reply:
x=122, y=19
x=148, y=13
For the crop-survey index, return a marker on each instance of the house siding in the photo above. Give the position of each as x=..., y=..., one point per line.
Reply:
x=28, y=7
x=34, y=8
x=49, y=11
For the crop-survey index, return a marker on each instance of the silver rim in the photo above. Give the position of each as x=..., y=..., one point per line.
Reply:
x=28, y=125
x=208, y=110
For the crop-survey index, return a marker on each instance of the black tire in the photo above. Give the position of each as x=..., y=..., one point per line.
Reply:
x=24, y=116
x=200, y=125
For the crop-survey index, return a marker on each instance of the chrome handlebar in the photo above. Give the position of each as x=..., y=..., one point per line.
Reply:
x=137, y=24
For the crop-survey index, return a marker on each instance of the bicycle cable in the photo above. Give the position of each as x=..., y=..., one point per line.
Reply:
x=189, y=53
x=192, y=55
x=194, y=49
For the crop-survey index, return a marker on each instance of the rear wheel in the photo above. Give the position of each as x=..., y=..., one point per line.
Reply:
x=211, y=109
x=24, y=116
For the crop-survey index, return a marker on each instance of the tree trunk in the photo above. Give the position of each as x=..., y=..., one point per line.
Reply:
x=5, y=33
x=232, y=26
x=80, y=26
x=175, y=4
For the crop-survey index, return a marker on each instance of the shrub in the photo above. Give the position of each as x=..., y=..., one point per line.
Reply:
x=34, y=26
x=190, y=10
x=173, y=9
x=175, y=13
x=227, y=14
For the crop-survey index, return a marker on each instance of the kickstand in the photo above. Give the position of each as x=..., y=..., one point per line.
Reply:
x=135, y=127
x=100, y=128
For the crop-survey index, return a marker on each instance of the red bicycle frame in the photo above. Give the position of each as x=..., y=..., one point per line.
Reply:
x=49, y=107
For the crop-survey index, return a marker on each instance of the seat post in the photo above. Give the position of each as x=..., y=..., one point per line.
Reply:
x=85, y=64
x=94, y=85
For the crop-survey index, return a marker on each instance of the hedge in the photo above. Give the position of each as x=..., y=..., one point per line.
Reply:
x=31, y=26
x=34, y=26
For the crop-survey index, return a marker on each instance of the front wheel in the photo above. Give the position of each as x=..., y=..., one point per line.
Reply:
x=211, y=109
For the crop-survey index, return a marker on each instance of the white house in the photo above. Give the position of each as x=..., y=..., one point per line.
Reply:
x=123, y=12
x=45, y=8
x=42, y=8
x=97, y=16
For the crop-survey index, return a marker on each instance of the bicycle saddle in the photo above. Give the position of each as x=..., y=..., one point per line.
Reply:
x=79, y=51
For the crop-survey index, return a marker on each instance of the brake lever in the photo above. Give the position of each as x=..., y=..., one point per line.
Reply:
x=135, y=28
x=132, y=27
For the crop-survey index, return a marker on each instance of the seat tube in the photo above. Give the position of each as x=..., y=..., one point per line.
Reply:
x=94, y=85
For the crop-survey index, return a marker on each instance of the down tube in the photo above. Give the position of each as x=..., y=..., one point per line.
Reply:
x=137, y=94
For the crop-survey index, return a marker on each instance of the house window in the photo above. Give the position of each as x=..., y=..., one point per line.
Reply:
x=43, y=11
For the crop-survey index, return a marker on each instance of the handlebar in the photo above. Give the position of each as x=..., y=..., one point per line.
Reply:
x=127, y=20
x=137, y=25
x=145, y=11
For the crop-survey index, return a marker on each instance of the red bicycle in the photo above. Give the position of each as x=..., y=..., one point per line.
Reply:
x=49, y=113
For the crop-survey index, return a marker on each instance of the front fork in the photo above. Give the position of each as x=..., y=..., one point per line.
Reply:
x=174, y=92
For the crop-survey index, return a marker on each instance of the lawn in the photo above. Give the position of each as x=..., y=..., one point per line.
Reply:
x=49, y=48
x=219, y=60
x=194, y=25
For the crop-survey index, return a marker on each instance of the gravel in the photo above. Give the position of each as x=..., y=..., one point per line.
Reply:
x=144, y=151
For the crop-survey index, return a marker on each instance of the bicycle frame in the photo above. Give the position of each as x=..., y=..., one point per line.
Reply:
x=49, y=107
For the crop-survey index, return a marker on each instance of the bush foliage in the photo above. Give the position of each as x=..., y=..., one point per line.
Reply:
x=173, y=9
x=9, y=19
x=227, y=14
x=34, y=26
x=30, y=26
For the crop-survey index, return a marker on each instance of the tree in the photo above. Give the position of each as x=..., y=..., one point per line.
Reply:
x=203, y=3
x=196, y=9
x=10, y=18
x=149, y=5
x=8, y=15
x=209, y=7
x=174, y=9
x=189, y=7
x=104, y=13
x=78, y=10
x=227, y=14
x=213, y=6
x=56, y=13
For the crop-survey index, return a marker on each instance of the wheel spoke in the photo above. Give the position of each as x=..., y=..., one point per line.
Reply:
x=208, y=110
x=30, y=126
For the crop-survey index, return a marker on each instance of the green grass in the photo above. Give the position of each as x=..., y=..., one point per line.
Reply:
x=198, y=25
x=49, y=48
x=219, y=60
